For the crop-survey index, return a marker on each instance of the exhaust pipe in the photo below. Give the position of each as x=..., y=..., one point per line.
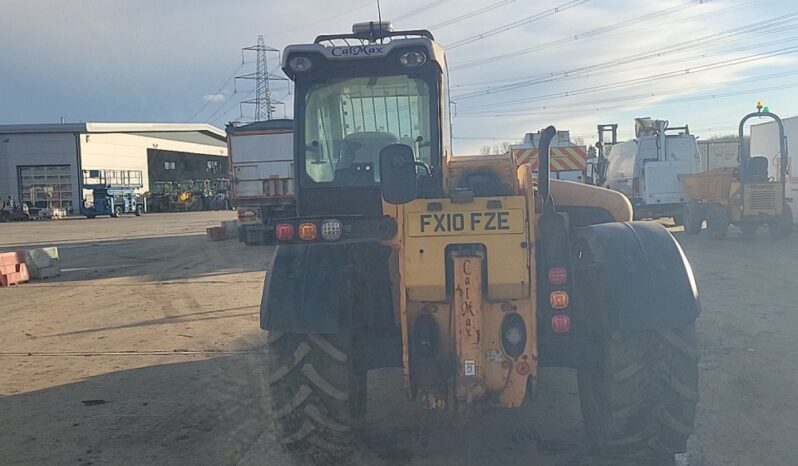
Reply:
x=544, y=170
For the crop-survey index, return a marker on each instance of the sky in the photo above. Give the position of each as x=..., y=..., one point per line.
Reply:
x=516, y=66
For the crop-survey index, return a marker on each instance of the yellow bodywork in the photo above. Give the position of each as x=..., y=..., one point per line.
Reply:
x=469, y=294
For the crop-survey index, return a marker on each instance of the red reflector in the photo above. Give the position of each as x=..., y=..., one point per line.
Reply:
x=561, y=323
x=558, y=275
x=284, y=232
x=522, y=368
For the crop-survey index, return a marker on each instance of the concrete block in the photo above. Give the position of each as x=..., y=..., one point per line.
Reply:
x=47, y=272
x=230, y=228
x=43, y=262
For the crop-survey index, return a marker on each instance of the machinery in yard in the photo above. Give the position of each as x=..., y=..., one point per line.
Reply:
x=596, y=172
x=162, y=197
x=113, y=192
x=186, y=200
x=746, y=195
x=220, y=194
x=469, y=273
x=261, y=157
x=647, y=168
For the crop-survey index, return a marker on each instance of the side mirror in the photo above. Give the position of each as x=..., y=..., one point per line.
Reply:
x=398, y=174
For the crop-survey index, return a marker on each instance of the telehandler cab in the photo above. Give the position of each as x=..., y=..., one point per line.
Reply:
x=467, y=272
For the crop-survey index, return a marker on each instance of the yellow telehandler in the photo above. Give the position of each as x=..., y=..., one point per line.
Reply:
x=469, y=273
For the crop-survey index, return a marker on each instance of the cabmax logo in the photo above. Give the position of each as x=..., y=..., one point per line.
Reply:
x=358, y=50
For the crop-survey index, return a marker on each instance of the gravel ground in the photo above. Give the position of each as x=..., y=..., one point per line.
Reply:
x=147, y=351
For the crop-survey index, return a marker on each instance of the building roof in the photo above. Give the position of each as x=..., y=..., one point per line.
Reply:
x=279, y=123
x=179, y=131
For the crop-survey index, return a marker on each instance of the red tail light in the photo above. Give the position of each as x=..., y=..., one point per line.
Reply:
x=284, y=232
x=245, y=213
x=561, y=323
x=523, y=368
x=558, y=276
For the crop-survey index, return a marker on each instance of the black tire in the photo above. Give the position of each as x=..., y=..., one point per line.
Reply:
x=139, y=210
x=638, y=391
x=718, y=221
x=693, y=218
x=91, y=216
x=315, y=395
x=117, y=211
x=749, y=229
x=782, y=227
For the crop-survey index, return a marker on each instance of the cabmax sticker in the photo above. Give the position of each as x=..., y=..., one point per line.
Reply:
x=358, y=51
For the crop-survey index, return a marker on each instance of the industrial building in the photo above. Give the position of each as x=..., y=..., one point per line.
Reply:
x=44, y=164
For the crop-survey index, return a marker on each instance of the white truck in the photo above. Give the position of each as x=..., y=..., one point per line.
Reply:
x=647, y=168
x=568, y=160
x=261, y=161
x=765, y=141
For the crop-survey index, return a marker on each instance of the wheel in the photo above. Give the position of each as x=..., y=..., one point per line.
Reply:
x=139, y=210
x=638, y=391
x=693, y=217
x=117, y=211
x=749, y=229
x=718, y=221
x=315, y=394
x=91, y=216
x=782, y=227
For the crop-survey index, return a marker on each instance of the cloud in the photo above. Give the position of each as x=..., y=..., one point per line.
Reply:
x=212, y=98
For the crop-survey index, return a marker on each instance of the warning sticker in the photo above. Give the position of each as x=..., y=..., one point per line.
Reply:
x=494, y=355
x=470, y=367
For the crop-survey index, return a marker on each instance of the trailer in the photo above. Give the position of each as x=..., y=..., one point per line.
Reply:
x=262, y=183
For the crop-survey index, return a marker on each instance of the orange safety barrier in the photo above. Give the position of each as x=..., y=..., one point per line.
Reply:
x=13, y=269
x=562, y=158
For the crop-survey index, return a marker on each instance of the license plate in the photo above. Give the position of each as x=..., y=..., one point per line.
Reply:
x=249, y=220
x=488, y=222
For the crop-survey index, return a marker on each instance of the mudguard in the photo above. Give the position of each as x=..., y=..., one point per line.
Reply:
x=643, y=271
x=306, y=289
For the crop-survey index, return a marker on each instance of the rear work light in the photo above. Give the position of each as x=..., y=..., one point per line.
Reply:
x=412, y=59
x=331, y=230
x=284, y=232
x=558, y=299
x=307, y=231
x=558, y=276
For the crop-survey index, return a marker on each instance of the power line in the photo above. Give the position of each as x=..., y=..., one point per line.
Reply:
x=229, y=106
x=218, y=91
x=470, y=14
x=759, y=28
x=422, y=9
x=321, y=21
x=518, y=23
x=594, y=32
x=632, y=106
x=646, y=79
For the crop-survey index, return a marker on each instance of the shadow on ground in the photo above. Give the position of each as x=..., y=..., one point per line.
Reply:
x=215, y=412
x=155, y=259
